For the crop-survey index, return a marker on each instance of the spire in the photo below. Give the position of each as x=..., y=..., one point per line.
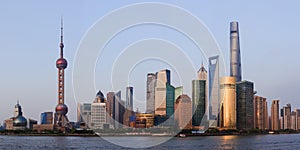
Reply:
x=61, y=39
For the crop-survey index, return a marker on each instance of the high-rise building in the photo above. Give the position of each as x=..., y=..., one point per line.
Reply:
x=129, y=98
x=235, y=57
x=119, y=111
x=275, y=124
x=61, y=109
x=287, y=116
x=183, y=112
x=202, y=75
x=198, y=101
x=98, y=112
x=84, y=114
x=47, y=118
x=110, y=103
x=178, y=92
x=244, y=105
x=297, y=119
x=293, y=120
x=228, y=102
x=163, y=77
x=151, y=80
x=170, y=100
x=281, y=119
x=260, y=113
x=214, y=86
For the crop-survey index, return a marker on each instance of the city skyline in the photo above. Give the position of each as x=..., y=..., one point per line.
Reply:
x=22, y=82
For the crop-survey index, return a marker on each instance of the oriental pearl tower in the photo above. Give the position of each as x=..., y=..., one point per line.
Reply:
x=61, y=109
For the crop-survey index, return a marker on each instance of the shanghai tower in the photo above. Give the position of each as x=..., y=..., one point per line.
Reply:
x=235, y=57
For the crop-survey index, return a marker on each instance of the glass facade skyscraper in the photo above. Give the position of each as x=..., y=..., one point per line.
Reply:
x=170, y=98
x=214, y=102
x=244, y=105
x=129, y=98
x=228, y=102
x=163, y=77
x=198, y=101
x=151, y=80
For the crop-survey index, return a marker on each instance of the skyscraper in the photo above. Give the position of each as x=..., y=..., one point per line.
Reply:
x=98, y=112
x=183, y=112
x=47, y=118
x=244, y=105
x=235, y=57
x=110, y=109
x=275, y=115
x=84, y=114
x=61, y=109
x=163, y=77
x=297, y=118
x=151, y=80
x=228, y=102
x=178, y=92
x=287, y=116
x=293, y=120
x=202, y=75
x=214, y=86
x=198, y=101
x=129, y=98
x=170, y=100
x=260, y=113
x=119, y=110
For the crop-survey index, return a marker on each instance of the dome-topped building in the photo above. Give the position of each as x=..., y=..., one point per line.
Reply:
x=100, y=97
x=19, y=121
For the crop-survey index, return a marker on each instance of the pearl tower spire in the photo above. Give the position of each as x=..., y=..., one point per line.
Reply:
x=61, y=109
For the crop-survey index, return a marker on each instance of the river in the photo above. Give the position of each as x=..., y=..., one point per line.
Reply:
x=256, y=142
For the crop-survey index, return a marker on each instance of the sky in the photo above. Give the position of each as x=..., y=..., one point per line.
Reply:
x=29, y=46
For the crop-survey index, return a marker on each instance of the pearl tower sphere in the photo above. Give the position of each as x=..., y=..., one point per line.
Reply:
x=61, y=109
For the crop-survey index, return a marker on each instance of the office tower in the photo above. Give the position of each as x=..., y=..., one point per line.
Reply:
x=84, y=114
x=244, y=105
x=275, y=124
x=202, y=75
x=99, y=98
x=110, y=103
x=183, y=112
x=129, y=98
x=214, y=86
x=281, y=119
x=287, y=116
x=297, y=119
x=61, y=110
x=178, y=92
x=170, y=100
x=119, y=110
x=163, y=77
x=260, y=113
x=47, y=118
x=228, y=102
x=98, y=112
x=198, y=101
x=235, y=56
x=265, y=113
x=129, y=106
x=293, y=120
x=151, y=80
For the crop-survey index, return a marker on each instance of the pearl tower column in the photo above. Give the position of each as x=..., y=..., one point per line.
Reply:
x=61, y=109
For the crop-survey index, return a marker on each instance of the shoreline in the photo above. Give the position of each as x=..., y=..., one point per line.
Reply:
x=150, y=135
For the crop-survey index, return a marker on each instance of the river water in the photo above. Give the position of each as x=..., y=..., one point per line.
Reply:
x=256, y=142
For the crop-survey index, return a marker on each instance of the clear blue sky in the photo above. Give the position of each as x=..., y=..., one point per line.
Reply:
x=29, y=40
